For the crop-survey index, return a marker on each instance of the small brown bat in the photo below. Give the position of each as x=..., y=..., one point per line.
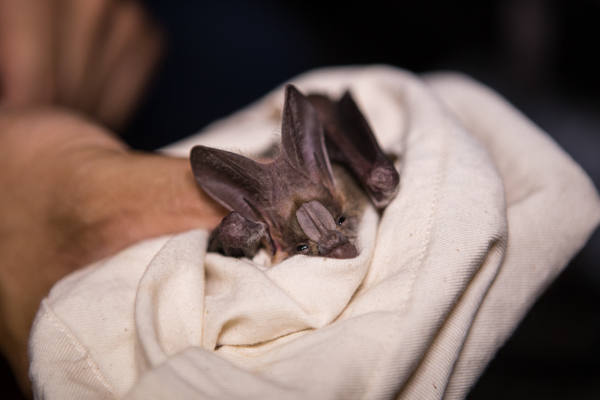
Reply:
x=308, y=200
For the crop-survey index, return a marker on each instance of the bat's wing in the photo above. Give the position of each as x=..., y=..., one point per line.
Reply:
x=350, y=142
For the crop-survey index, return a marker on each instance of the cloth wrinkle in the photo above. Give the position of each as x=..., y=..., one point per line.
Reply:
x=488, y=213
x=56, y=322
x=433, y=207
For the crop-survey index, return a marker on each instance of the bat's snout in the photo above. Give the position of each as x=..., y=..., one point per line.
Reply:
x=318, y=224
x=335, y=244
x=346, y=250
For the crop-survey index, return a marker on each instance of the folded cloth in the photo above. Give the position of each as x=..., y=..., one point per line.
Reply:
x=489, y=211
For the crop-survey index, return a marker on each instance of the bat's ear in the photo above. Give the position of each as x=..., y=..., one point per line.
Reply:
x=351, y=142
x=235, y=181
x=302, y=139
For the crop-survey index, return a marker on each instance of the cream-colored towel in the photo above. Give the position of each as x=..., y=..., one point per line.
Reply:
x=489, y=211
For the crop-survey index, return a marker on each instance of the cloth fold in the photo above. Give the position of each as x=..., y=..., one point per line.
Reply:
x=489, y=211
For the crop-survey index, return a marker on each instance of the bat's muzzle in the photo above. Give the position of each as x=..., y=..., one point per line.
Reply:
x=346, y=250
x=335, y=244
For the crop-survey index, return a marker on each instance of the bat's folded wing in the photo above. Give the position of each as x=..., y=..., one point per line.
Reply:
x=489, y=211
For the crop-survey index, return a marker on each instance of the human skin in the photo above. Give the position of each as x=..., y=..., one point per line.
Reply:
x=94, y=56
x=71, y=194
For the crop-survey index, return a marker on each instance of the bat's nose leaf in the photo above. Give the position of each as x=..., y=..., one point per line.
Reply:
x=331, y=240
x=346, y=250
x=335, y=244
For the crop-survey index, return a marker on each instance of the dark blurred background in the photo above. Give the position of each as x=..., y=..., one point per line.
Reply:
x=542, y=55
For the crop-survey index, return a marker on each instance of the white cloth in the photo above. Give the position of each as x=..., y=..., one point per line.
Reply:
x=489, y=211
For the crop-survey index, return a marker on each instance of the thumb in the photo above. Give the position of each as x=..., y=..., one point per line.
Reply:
x=139, y=195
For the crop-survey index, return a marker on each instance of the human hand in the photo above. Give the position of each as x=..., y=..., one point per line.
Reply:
x=94, y=56
x=70, y=194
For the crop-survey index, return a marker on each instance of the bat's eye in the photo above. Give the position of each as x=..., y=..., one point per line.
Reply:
x=301, y=248
x=341, y=220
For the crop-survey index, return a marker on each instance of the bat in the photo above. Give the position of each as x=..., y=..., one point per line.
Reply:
x=310, y=199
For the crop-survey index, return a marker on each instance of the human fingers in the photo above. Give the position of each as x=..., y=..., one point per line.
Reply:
x=79, y=32
x=139, y=195
x=98, y=40
x=95, y=56
x=123, y=65
x=26, y=52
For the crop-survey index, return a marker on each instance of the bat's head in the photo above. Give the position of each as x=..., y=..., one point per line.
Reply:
x=322, y=221
x=297, y=196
